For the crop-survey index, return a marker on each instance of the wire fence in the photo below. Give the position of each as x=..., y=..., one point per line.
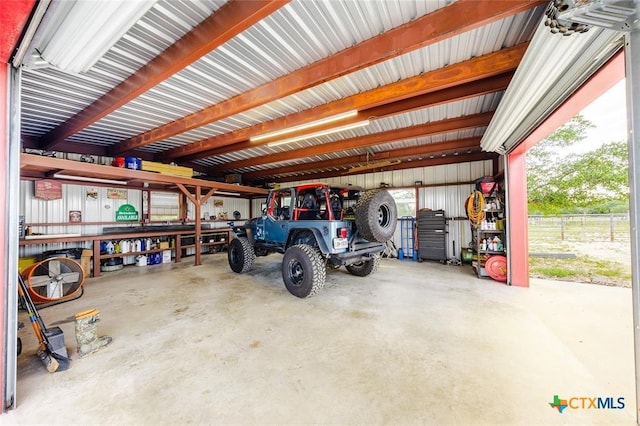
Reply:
x=580, y=228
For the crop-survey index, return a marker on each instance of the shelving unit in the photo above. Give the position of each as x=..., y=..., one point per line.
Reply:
x=198, y=191
x=210, y=239
x=489, y=235
x=177, y=236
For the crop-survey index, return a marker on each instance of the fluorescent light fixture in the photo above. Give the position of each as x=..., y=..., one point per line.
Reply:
x=74, y=35
x=89, y=179
x=227, y=193
x=304, y=126
x=322, y=133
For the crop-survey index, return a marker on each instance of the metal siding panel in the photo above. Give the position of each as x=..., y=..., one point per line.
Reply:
x=230, y=204
x=256, y=204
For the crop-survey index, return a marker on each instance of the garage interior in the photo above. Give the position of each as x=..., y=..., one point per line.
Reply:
x=246, y=95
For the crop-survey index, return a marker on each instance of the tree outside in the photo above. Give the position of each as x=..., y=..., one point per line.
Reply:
x=563, y=182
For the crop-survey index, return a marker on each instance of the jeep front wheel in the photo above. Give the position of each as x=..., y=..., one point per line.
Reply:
x=240, y=255
x=376, y=215
x=364, y=268
x=303, y=270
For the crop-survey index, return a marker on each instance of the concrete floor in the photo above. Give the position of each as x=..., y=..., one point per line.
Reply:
x=416, y=343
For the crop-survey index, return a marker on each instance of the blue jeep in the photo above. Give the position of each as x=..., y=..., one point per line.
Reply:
x=317, y=225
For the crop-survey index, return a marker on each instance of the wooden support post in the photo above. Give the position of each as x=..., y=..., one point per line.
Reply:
x=182, y=206
x=178, y=247
x=96, y=258
x=198, y=207
x=197, y=199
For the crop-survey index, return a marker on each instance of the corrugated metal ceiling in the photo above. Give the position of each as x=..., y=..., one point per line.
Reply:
x=291, y=38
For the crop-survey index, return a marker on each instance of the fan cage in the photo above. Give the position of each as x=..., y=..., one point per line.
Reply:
x=53, y=279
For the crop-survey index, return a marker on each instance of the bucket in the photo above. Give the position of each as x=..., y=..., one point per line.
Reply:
x=132, y=163
x=467, y=255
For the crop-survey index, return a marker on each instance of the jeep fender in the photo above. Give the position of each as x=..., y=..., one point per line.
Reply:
x=320, y=239
x=245, y=230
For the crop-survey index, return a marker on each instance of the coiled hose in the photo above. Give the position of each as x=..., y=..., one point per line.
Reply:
x=475, y=207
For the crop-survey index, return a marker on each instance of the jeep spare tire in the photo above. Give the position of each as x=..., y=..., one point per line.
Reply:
x=376, y=215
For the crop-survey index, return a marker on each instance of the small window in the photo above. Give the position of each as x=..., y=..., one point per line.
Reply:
x=405, y=201
x=164, y=206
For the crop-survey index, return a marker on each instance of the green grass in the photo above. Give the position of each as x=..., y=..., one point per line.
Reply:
x=583, y=269
x=555, y=272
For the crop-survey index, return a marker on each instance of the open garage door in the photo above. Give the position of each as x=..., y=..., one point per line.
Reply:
x=555, y=65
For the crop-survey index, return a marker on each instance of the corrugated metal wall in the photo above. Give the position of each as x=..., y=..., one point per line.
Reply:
x=216, y=205
x=100, y=208
x=74, y=197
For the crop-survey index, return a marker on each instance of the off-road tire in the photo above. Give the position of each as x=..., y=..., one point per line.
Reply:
x=376, y=215
x=367, y=267
x=240, y=255
x=303, y=270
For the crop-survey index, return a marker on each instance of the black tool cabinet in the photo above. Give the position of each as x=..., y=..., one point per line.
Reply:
x=432, y=235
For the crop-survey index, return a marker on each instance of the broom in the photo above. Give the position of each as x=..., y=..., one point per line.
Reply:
x=52, y=360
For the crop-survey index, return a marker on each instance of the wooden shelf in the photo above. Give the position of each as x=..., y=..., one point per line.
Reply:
x=96, y=239
x=41, y=167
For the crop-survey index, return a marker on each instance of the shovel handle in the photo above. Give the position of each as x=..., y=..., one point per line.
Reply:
x=33, y=319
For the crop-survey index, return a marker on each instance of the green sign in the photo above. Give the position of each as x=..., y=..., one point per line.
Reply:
x=126, y=213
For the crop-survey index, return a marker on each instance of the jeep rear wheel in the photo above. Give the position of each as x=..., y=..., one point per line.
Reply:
x=364, y=268
x=303, y=270
x=240, y=255
x=376, y=215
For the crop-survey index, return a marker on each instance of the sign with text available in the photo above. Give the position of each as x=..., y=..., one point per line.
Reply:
x=126, y=213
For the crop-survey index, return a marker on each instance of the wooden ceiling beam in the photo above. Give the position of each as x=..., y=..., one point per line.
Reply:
x=451, y=94
x=428, y=162
x=457, y=18
x=477, y=76
x=354, y=160
x=227, y=22
x=443, y=126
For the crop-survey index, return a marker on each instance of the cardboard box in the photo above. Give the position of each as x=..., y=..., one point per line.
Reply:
x=164, y=245
x=233, y=178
